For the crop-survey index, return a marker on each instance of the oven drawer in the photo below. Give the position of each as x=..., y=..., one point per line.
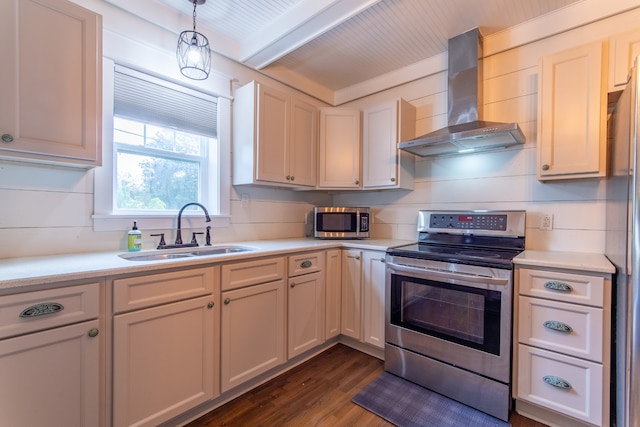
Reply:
x=565, y=384
x=567, y=287
x=572, y=329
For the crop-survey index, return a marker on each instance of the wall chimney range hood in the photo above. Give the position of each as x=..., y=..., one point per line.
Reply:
x=465, y=131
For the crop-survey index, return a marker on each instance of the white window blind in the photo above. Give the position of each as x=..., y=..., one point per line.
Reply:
x=159, y=102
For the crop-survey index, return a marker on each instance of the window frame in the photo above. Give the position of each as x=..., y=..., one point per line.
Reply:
x=105, y=218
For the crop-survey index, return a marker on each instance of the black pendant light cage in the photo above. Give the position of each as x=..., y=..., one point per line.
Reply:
x=193, y=51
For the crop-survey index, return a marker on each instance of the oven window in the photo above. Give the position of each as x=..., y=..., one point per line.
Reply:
x=336, y=222
x=464, y=315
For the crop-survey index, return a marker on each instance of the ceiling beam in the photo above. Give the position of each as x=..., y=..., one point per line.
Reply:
x=304, y=22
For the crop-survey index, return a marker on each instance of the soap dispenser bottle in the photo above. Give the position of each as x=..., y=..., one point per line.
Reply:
x=134, y=238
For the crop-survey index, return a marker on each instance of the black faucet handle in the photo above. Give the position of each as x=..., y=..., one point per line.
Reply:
x=208, y=237
x=193, y=238
x=162, y=243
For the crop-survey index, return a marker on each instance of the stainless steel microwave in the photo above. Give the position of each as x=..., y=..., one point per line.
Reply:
x=332, y=222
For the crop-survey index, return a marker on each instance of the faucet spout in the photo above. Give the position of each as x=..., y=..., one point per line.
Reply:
x=179, y=231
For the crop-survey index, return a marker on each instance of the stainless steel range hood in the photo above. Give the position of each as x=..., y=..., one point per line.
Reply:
x=465, y=131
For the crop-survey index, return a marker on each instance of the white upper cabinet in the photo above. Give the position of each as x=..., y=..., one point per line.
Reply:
x=384, y=126
x=51, y=82
x=274, y=138
x=340, y=160
x=572, y=107
x=624, y=49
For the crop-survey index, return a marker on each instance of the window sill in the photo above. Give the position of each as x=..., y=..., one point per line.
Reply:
x=157, y=222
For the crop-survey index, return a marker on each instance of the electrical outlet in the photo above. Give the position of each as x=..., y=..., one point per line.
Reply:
x=546, y=222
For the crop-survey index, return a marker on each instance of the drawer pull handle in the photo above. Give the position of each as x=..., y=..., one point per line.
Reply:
x=42, y=309
x=558, y=286
x=557, y=326
x=93, y=332
x=556, y=382
x=306, y=264
x=211, y=304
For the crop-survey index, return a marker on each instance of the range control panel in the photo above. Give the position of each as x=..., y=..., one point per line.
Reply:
x=477, y=222
x=469, y=221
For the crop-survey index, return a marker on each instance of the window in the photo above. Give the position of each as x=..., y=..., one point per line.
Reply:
x=162, y=149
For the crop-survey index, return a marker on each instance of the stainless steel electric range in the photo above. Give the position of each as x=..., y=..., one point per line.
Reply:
x=448, y=306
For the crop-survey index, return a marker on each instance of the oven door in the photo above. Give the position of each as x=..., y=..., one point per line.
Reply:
x=457, y=314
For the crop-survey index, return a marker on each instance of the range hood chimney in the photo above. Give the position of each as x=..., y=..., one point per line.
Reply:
x=465, y=131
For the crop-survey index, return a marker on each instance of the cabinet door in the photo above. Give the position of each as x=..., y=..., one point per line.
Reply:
x=306, y=313
x=163, y=361
x=252, y=337
x=333, y=279
x=51, y=104
x=339, y=163
x=273, y=135
x=51, y=378
x=572, y=102
x=303, y=144
x=624, y=50
x=383, y=164
x=379, y=146
x=352, y=293
x=373, y=289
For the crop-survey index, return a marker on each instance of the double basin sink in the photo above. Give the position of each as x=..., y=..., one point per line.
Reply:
x=192, y=252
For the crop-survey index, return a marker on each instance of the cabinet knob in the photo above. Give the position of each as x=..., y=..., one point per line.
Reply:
x=292, y=285
x=227, y=301
x=7, y=138
x=293, y=178
x=357, y=182
x=545, y=167
x=93, y=332
x=210, y=305
x=393, y=180
x=288, y=177
x=357, y=258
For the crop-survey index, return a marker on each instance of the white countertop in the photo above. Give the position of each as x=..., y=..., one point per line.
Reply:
x=18, y=274
x=582, y=261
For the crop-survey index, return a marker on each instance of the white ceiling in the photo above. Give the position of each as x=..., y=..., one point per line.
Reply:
x=338, y=44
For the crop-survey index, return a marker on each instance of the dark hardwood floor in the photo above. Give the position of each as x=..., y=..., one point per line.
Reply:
x=315, y=393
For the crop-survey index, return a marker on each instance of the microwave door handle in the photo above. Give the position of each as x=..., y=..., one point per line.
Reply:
x=419, y=271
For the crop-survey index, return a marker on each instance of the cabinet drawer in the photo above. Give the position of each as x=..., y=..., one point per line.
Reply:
x=34, y=311
x=305, y=263
x=146, y=291
x=567, y=287
x=251, y=273
x=581, y=397
x=576, y=330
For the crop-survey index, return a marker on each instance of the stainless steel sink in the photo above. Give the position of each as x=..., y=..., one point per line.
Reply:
x=221, y=250
x=200, y=252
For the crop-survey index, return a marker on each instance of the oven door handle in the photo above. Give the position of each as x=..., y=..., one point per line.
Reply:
x=439, y=274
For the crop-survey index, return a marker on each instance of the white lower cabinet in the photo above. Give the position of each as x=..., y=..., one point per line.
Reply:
x=50, y=363
x=333, y=279
x=363, y=276
x=253, y=320
x=561, y=352
x=373, y=302
x=305, y=303
x=351, y=305
x=165, y=350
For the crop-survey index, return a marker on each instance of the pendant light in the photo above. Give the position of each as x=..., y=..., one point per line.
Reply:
x=193, y=52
